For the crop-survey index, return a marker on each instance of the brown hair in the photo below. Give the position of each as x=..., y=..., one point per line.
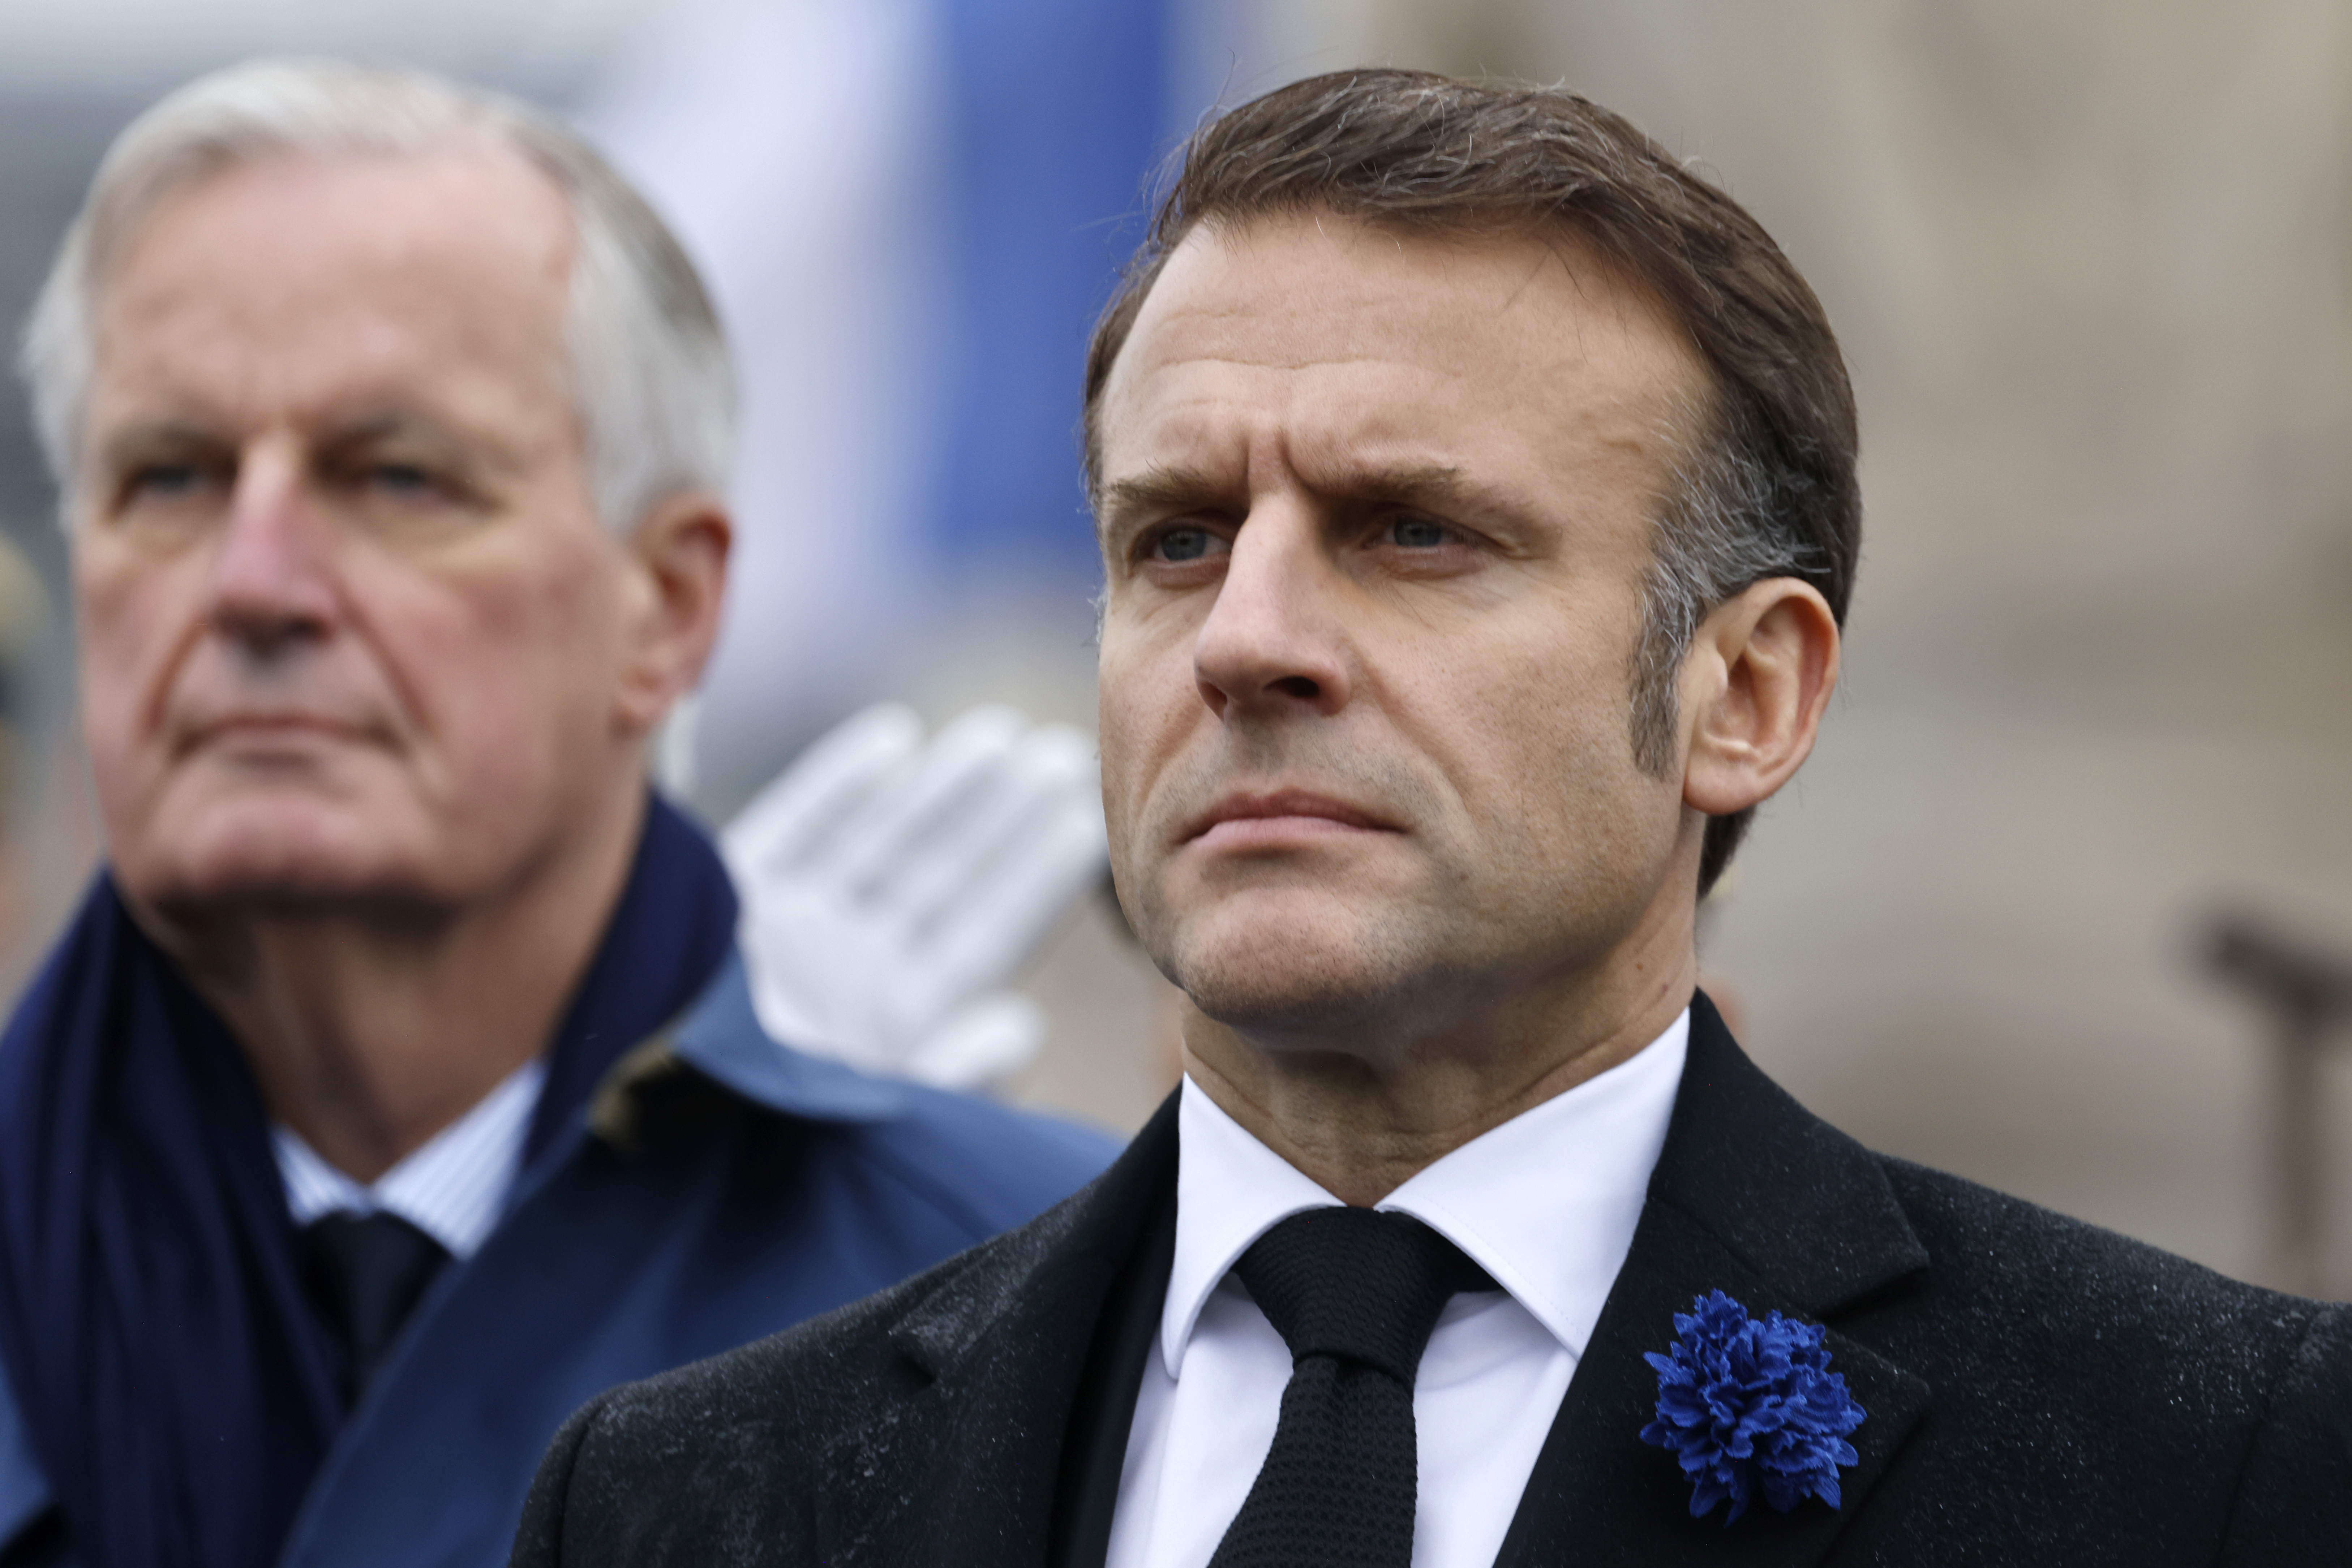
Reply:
x=1766, y=486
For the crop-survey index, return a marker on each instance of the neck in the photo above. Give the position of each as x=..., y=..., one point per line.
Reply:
x=371, y=1029
x=1361, y=1119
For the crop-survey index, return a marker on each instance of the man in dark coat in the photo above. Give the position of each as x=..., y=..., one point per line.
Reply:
x=1476, y=493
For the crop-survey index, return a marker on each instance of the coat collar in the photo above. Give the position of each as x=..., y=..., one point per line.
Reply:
x=1755, y=1196
x=1801, y=1203
x=719, y=1039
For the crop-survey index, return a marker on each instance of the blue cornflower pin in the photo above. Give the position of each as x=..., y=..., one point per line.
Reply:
x=1749, y=1406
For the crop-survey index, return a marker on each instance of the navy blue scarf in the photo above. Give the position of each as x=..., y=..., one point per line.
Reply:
x=179, y=1389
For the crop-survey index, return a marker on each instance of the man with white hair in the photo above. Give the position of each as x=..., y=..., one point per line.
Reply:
x=397, y=1086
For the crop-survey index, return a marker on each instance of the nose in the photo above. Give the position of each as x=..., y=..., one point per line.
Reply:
x=272, y=585
x=1273, y=641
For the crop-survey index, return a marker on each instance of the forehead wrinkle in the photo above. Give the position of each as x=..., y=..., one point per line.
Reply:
x=1335, y=362
x=1349, y=449
x=1590, y=323
x=367, y=281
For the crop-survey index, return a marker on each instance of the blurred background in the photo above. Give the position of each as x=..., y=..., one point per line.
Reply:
x=2064, y=902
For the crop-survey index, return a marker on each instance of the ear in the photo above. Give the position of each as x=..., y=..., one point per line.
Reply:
x=1755, y=686
x=677, y=562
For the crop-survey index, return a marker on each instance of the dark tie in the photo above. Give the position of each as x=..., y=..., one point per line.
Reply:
x=1354, y=1293
x=365, y=1272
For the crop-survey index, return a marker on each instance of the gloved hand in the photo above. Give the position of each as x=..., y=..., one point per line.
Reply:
x=890, y=888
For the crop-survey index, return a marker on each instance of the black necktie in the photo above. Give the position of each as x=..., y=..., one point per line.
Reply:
x=1354, y=1293
x=365, y=1272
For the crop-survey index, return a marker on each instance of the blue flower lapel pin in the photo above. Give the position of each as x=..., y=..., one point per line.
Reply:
x=1751, y=1406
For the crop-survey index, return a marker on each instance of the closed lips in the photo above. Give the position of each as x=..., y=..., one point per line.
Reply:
x=1284, y=803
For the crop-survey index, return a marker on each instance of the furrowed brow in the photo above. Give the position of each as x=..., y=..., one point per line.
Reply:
x=1443, y=489
x=1425, y=484
x=1159, y=487
x=1441, y=486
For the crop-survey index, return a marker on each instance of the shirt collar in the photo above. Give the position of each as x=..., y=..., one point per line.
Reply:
x=453, y=1188
x=1546, y=1203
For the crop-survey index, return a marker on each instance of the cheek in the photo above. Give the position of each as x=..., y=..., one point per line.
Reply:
x=129, y=619
x=1148, y=705
x=1119, y=727
x=1549, y=740
x=508, y=672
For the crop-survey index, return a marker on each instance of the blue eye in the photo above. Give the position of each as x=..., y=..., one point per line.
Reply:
x=1418, y=533
x=166, y=479
x=1182, y=544
x=403, y=478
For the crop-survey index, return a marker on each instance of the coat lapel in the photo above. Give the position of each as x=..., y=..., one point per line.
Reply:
x=1755, y=1196
x=960, y=1469
x=1752, y=1196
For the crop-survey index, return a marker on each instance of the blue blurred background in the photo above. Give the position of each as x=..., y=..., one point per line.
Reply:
x=910, y=211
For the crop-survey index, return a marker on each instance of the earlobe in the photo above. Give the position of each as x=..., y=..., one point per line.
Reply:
x=1762, y=668
x=679, y=556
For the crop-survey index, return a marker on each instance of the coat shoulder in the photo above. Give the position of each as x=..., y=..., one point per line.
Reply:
x=2120, y=1388
x=721, y=1461
x=2023, y=1279
x=712, y=1463
x=831, y=1372
x=984, y=1164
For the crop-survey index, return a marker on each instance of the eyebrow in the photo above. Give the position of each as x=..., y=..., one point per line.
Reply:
x=374, y=425
x=1428, y=483
x=1157, y=487
x=393, y=423
x=142, y=439
x=145, y=438
x=1166, y=487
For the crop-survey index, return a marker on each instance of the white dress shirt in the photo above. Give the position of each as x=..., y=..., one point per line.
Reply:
x=454, y=1188
x=1546, y=1204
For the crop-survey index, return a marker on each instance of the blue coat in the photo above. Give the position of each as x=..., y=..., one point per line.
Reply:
x=720, y=1187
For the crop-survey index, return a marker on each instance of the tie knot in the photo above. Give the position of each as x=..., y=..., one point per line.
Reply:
x=1360, y=1284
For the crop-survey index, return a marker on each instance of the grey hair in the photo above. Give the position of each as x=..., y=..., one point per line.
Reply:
x=1718, y=531
x=651, y=374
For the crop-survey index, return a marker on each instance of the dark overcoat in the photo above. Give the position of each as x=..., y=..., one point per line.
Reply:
x=2039, y=1390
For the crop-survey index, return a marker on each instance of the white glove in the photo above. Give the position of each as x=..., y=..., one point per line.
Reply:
x=890, y=888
